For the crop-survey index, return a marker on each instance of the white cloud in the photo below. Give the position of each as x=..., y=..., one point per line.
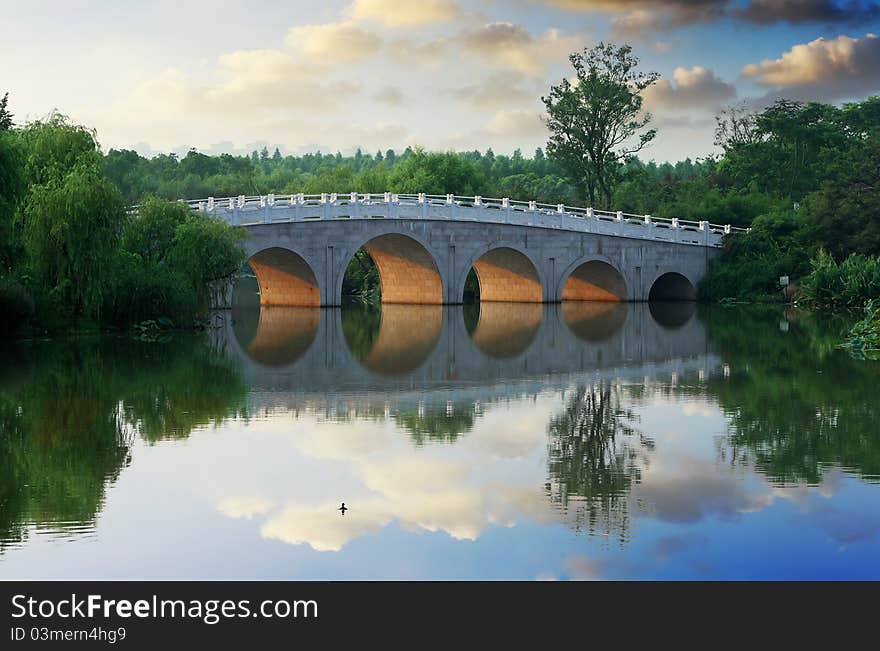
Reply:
x=405, y=13
x=824, y=68
x=694, y=88
x=509, y=45
x=333, y=43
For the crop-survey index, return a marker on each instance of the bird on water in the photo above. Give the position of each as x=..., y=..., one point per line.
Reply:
x=343, y=508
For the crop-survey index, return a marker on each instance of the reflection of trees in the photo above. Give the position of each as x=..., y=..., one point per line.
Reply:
x=360, y=326
x=436, y=426
x=425, y=424
x=68, y=431
x=595, y=456
x=795, y=404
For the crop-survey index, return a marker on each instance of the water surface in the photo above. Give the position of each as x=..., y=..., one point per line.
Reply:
x=502, y=441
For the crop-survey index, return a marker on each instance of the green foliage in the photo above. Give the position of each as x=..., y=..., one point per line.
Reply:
x=597, y=123
x=361, y=280
x=751, y=263
x=150, y=233
x=140, y=290
x=848, y=284
x=844, y=213
x=5, y=115
x=433, y=173
x=12, y=190
x=55, y=147
x=71, y=230
x=206, y=252
x=863, y=340
x=172, y=260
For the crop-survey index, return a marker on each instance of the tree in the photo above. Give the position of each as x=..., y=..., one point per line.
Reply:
x=5, y=115
x=55, y=147
x=71, y=228
x=735, y=126
x=12, y=190
x=207, y=252
x=597, y=122
x=150, y=234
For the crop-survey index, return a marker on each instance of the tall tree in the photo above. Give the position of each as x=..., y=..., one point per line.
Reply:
x=597, y=122
x=5, y=115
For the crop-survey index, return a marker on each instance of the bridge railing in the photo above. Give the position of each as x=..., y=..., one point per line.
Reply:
x=254, y=209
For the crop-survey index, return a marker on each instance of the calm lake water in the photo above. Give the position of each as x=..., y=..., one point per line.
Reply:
x=581, y=441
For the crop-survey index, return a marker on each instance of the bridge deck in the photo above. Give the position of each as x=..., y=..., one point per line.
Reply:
x=268, y=209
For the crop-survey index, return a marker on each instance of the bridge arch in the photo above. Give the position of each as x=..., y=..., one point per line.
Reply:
x=672, y=286
x=408, y=272
x=593, y=278
x=504, y=274
x=285, y=278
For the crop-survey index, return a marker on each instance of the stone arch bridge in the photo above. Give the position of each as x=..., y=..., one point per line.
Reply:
x=424, y=246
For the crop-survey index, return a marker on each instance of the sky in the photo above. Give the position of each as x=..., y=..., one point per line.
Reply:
x=442, y=74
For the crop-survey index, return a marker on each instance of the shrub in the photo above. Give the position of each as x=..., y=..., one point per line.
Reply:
x=142, y=290
x=848, y=284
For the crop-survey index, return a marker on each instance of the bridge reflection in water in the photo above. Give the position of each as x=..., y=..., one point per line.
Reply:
x=447, y=374
x=394, y=348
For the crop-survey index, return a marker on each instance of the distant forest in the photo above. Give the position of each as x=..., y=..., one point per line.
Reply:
x=198, y=175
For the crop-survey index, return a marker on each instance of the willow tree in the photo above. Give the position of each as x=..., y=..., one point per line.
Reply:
x=596, y=121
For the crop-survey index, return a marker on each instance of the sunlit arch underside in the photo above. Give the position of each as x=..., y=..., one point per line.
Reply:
x=285, y=278
x=506, y=275
x=407, y=271
x=595, y=281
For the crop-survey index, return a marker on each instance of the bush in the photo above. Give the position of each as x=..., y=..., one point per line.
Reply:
x=848, y=284
x=142, y=290
x=749, y=268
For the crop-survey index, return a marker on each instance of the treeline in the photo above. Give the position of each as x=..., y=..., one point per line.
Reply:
x=198, y=175
x=816, y=169
x=71, y=254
